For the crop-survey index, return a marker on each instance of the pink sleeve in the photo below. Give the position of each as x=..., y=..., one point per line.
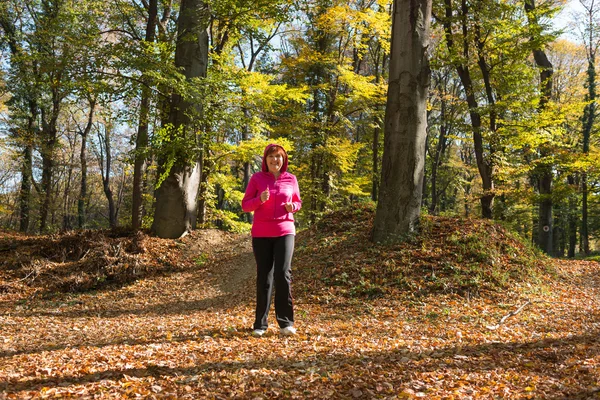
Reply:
x=251, y=200
x=296, y=201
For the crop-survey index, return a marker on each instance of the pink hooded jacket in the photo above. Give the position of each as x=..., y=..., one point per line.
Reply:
x=271, y=219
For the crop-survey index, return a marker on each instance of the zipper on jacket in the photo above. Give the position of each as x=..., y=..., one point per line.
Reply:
x=275, y=196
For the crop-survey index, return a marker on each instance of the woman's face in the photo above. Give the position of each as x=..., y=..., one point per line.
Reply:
x=275, y=161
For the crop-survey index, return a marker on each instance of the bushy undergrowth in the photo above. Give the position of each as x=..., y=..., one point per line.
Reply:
x=452, y=255
x=81, y=260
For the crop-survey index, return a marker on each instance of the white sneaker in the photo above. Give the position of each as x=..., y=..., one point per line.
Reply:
x=288, y=331
x=258, y=332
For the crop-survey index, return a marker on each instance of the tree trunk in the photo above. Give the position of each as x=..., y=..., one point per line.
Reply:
x=545, y=220
x=589, y=115
x=585, y=240
x=47, y=151
x=315, y=159
x=11, y=37
x=588, y=123
x=67, y=224
x=439, y=155
x=176, y=198
x=141, y=141
x=246, y=166
x=558, y=240
x=484, y=165
x=105, y=142
x=544, y=171
x=205, y=167
x=26, y=184
x=81, y=201
x=377, y=132
x=398, y=209
x=572, y=217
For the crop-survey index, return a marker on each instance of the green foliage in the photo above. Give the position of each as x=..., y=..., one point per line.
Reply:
x=201, y=259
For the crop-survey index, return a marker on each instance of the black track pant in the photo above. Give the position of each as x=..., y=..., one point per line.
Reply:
x=274, y=260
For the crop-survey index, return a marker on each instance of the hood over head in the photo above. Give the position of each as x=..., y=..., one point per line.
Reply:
x=268, y=150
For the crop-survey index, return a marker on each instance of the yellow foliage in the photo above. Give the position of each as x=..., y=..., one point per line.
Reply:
x=366, y=22
x=343, y=152
x=259, y=88
x=361, y=86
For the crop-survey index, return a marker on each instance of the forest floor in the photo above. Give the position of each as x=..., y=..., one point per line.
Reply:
x=90, y=315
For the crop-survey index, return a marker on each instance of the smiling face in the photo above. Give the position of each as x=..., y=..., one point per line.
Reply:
x=275, y=160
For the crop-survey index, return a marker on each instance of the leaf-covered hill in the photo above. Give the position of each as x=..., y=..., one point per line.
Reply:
x=450, y=255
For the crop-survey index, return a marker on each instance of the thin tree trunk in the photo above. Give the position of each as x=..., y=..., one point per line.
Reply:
x=572, y=217
x=588, y=123
x=81, y=201
x=399, y=205
x=589, y=116
x=438, y=156
x=545, y=220
x=484, y=165
x=246, y=166
x=205, y=167
x=26, y=185
x=49, y=143
x=585, y=241
x=141, y=141
x=377, y=131
x=67, y=217
x=105, y=150
x=315, y=160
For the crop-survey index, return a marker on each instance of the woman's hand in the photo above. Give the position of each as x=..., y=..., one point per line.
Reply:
x=289, y=207
x=264, y=196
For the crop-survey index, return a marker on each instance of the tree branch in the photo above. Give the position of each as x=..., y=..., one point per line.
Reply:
x=507, y=316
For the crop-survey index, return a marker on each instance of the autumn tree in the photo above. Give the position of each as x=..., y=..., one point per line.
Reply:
x=399, y=205
x=48, y=43
x=336, y=60
x=141, y=144
x=180, y=168
x=24, y=103
x=543, y=174
x=591, y=38
x=444, y=127
x=570, y=62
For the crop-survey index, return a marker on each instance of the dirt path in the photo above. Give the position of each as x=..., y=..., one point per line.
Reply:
x=230, y=266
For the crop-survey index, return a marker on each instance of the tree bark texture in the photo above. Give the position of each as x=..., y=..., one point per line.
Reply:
x=176, y=198
x=403, y=162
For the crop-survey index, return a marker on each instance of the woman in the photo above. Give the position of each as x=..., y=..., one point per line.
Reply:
x=274, y=196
